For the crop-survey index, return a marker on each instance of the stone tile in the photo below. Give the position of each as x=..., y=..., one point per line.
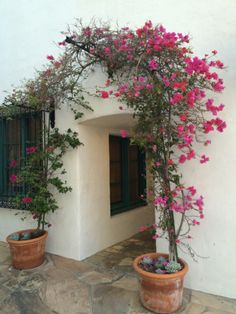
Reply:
x=33, y=283
x=218, y=302
x=127, y=283
x=111, y=300
x=55, y=274
x=70, y=264
x=194, y=308
x=95, y=278
x=24, y=303
x=11, y=284
x=68, y=296
x=126, y=262
x=5, y=255
x=4, y=293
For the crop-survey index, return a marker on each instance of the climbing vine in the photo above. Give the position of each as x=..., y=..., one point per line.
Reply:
x=156, y=74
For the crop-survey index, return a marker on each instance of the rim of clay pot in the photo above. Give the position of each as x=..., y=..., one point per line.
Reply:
x=20, y=242
x=144, y=273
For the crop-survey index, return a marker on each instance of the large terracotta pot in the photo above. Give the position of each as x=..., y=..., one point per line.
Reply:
x=27, y=253
x=160, y=293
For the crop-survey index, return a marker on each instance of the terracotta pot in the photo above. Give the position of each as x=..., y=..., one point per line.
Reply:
x=27, y=253
x=160, y=293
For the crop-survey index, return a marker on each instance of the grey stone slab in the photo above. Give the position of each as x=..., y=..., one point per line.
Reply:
x=95, y=278
x=5, y=255
x=127, y=261
x=67, y=296
x=194, y=308
x=217, y=302
x=4, y=293
x=70, y=264
x=127, y=283
x=111, y=300
x=20, y=302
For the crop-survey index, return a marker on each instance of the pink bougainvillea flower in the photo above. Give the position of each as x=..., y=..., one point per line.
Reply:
x=57, y=64
x=108, y=83
x=13, y=178
x=207, y=142
x=219, y=64
x=155, y=236
x=207, y=126
x=159, y=200
x=31, y=150
x=157, y=163
x=50, y=57
x=27, y=200
x=192, y=190
x=62, y=43
x=104, y=94
x=13, y=163
x=214, y=52
x=221, y=125
x=191, y=154
x=107, y=50
x=183, y=117
x=123, y=133
x=153, y=65
x=182, y=159
x=166, y=81
x=188, y=140
x=177, y=241
x=92, y=50
x=47, y=72
x=199, y=202
x=176, y=98
x=170, y=162
x=180, y=85
x=204, y=159
x=142, y=228
x=195, y=222
x=218, y=86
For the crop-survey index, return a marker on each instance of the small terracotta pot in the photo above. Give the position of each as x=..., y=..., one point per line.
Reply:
x=160, y=293
x=27, y=253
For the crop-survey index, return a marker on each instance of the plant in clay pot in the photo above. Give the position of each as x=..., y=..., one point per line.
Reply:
x=156, y=74
x=37, y=178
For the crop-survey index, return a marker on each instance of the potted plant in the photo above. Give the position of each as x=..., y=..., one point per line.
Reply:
x=155, y=73
x=37, y=177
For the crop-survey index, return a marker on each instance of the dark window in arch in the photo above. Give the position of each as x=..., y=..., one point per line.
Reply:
x=127, y=175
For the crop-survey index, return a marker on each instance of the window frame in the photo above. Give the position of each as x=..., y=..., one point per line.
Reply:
x=24, y=118
x=126, y=204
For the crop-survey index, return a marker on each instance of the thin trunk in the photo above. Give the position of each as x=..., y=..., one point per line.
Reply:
x=173, y=254
x=43, y=221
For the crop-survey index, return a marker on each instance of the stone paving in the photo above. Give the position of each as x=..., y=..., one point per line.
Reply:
x=102, y=284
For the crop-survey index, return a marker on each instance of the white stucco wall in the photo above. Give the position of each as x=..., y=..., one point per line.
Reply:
x=98, y=229
x=27, y=30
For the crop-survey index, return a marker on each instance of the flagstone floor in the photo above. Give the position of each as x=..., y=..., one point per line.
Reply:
x=102, y=284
